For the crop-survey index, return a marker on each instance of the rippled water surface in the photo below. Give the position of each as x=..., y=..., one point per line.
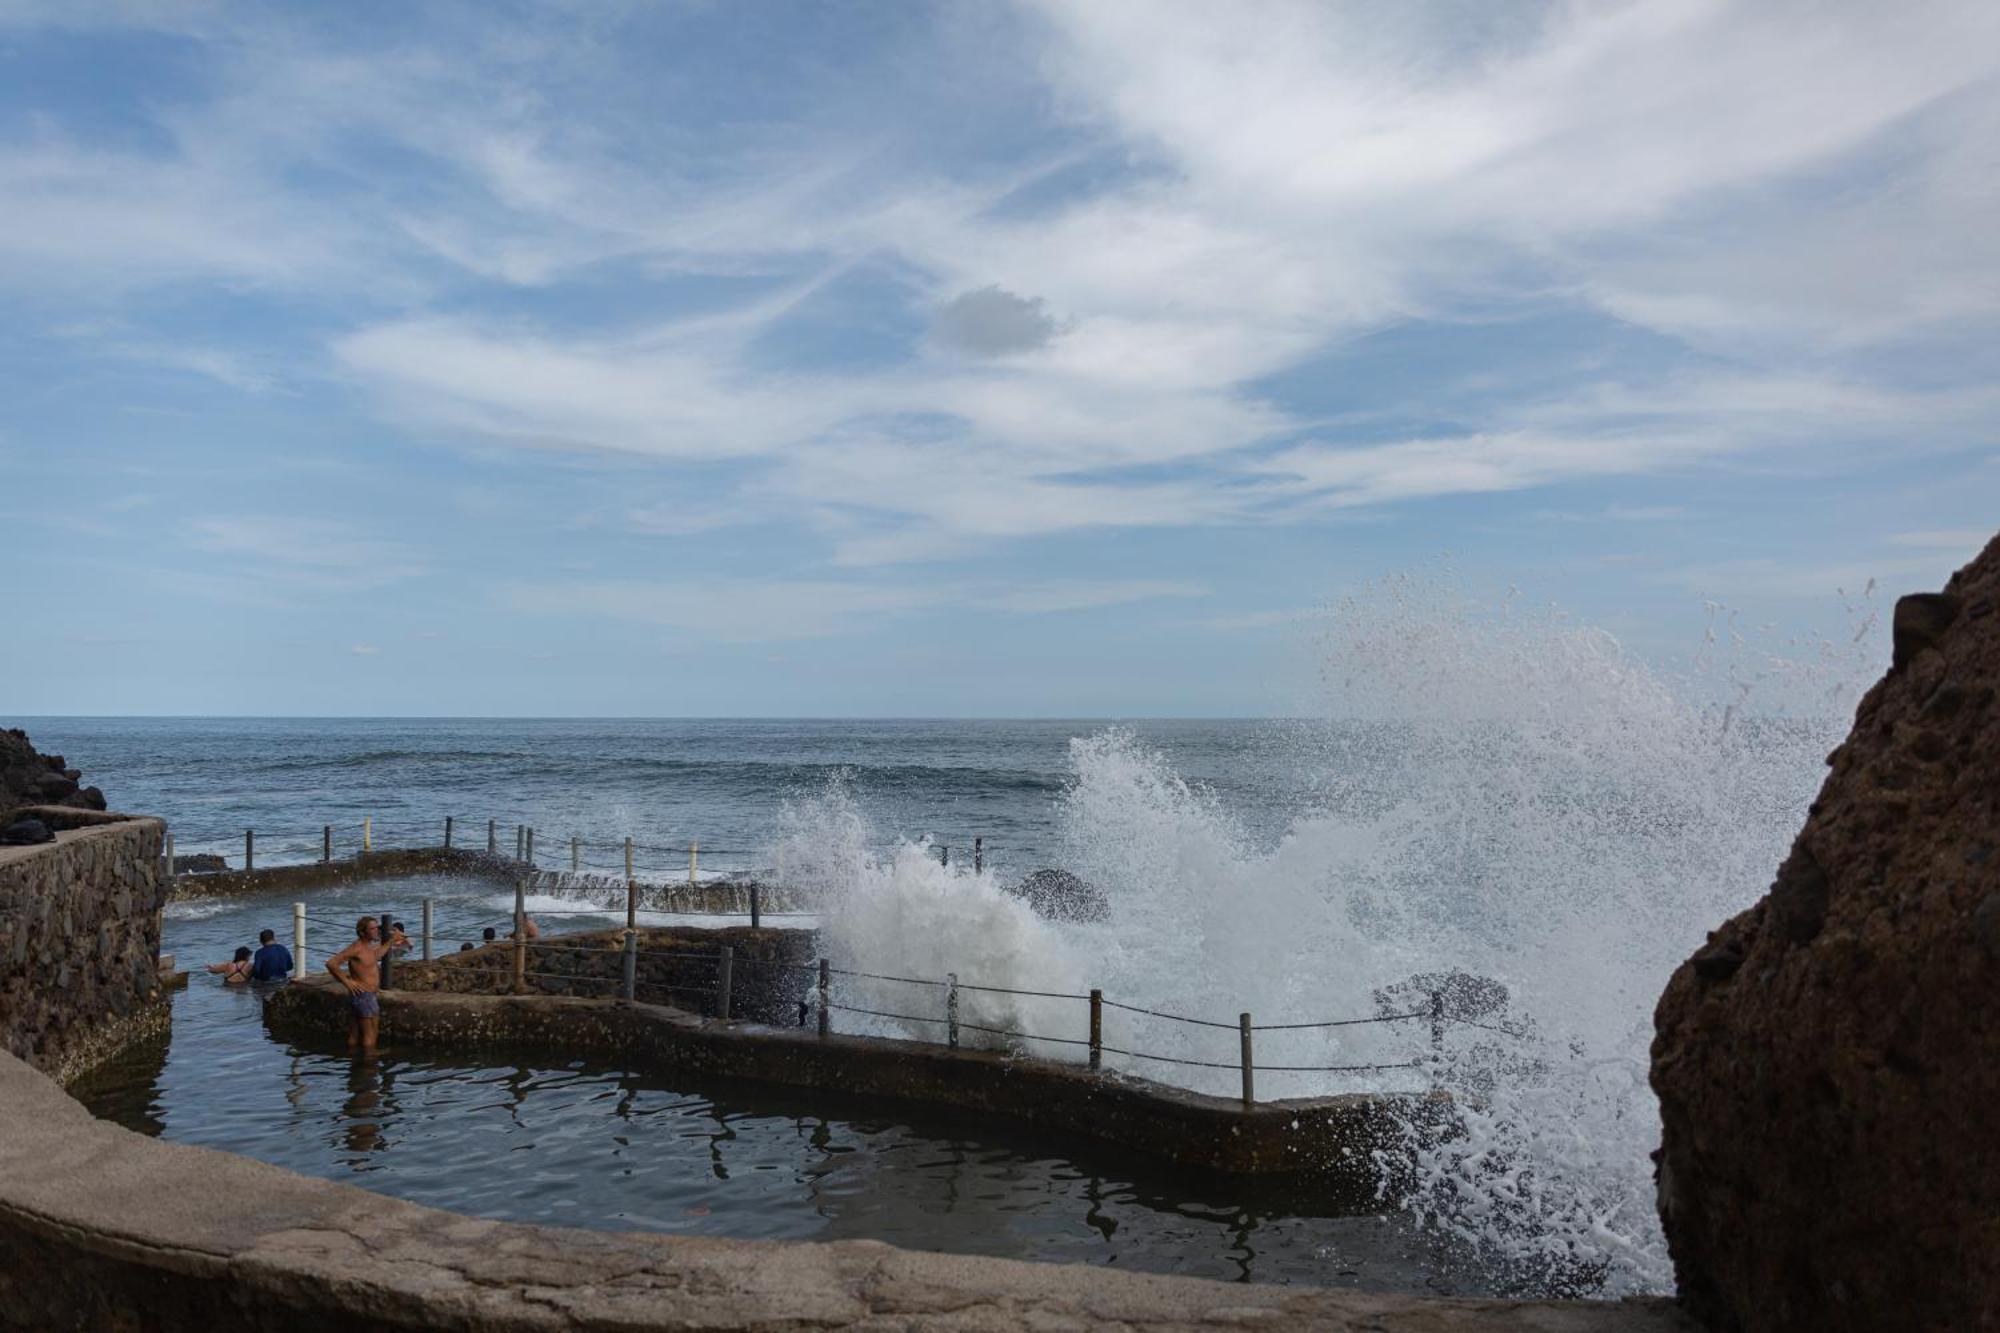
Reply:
x=589, y=1143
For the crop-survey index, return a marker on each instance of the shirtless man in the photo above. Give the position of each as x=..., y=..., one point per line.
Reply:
x=363, y=980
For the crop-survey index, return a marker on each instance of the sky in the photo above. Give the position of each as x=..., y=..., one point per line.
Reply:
x=997, y=359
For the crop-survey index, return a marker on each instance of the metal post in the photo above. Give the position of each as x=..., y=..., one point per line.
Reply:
x=694, y=863
x=631, y=903
x=1249, y=1067
x=367, y=833
x=725, y=969
x=978, y=855
x=170, y=853
x=944, y=853
x=326, y=842
x=249, y=849
x=951, y=1010
x=630, y=981
x=825, y=992
x=1437, y=1023
x=520, y=841
x=756, y=913
x=531, y=844
x=1096, y=1028
x=447, y=832
x=427, y=930
x=299, y=940
x=492, y=837
x=520, y=936
x=575, y=854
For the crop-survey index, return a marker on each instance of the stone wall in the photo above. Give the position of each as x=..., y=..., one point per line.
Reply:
x=80, y=939
x=771, y=971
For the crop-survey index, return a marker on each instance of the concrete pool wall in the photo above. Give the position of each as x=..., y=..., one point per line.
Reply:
x=1334, y=1138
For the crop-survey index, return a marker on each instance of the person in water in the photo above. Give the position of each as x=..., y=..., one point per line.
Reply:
x=235, y=972
x=273, y=961
x=363, y=980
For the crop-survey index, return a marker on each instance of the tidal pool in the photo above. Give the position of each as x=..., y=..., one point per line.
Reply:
x=532, y=1137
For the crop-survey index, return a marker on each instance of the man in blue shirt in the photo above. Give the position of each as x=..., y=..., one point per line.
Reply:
x=273, y=961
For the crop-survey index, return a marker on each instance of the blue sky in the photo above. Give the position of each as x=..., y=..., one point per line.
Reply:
x=1008, y=359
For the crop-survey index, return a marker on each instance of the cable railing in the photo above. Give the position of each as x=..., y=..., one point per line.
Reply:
x=708, y=973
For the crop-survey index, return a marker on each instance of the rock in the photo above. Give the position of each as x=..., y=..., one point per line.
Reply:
x=1825, y=1063
x=28, y=777
x=25, y=833
x=199, y=863
x=1057, y=895
x=54, y=787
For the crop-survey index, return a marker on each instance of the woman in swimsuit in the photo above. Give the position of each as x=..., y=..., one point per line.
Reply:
x=236, y=973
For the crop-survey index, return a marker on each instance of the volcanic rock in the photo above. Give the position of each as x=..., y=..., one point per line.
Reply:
x=1827, y=1063
x=199, y=863
x=28, y=777
x=1057, y=895
x=25, y=832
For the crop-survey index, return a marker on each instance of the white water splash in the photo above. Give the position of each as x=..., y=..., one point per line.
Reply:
x=1503, y=792
x=902, y=913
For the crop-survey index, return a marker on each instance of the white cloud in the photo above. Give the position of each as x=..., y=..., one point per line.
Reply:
x=319, y=553
x=1783, y=184
x=364, y=650
x=1085, y=595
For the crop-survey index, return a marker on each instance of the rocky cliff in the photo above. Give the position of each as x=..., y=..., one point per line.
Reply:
x=28, y=777
x=1828, y=1063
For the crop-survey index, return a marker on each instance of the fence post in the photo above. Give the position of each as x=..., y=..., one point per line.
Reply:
x=447, y=832
x=1249, y=1068
x=575, y=854
x=944, y=853
x=825, y=990
x=427, y=930
x=249, y=849
x=367, y=833
x=520, y=937
x=170, y=853
x=724, y=976
x=531, y=844
x=694, y=862
x=631, y=903
x=299, y=940
x=630, y=979
x=520, y=841
x=1437, y=1022
x=756, y=916
x=493, y=837
x=326, y=843
x=1096, y=1028
x=951, y=1010
x=978, y=855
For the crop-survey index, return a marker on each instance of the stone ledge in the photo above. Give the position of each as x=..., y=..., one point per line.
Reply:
x=107, y=1229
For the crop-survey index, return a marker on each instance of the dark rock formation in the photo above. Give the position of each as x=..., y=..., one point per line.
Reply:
x=1828, y=1062
x=200, y=863
x=28, y=777
x=1057, y=895
x=25, y=833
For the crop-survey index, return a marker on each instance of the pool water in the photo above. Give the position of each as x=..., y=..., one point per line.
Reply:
x=532, y=1137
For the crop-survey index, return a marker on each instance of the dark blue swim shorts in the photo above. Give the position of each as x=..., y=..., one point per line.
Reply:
x=367, y=1004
